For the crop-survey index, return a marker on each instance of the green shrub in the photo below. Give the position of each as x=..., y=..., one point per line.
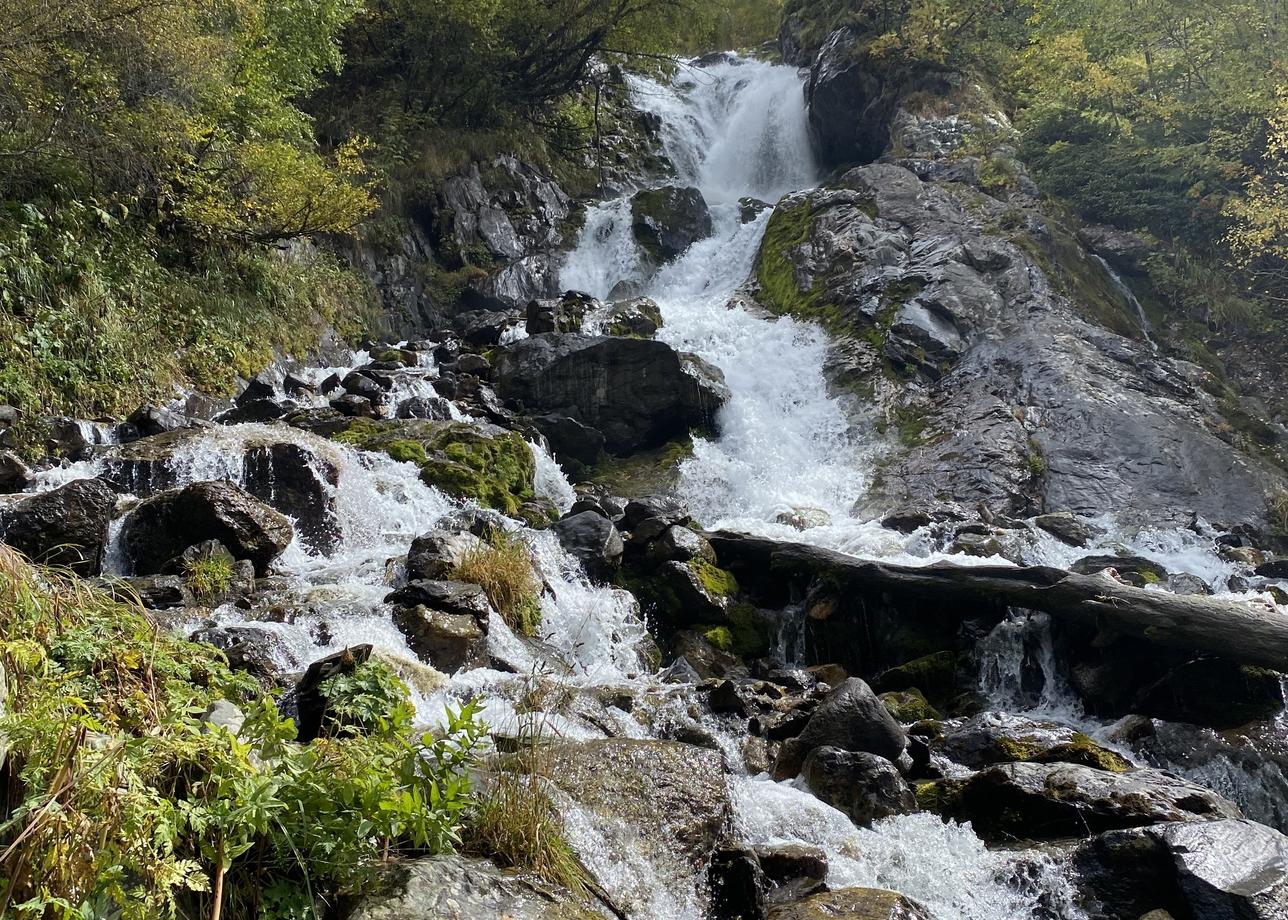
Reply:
x=119, y=799
x=209, y=576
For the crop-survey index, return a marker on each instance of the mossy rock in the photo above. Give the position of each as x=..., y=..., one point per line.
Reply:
x=936, y=676
x=715, y=581
x=941, y=797
x=489, y=465
x=909, y=705
x=720, y=637
x=647, y=472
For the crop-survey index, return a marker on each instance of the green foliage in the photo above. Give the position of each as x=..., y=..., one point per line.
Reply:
x=371, y=698
x=502, y=567
x=99, y=313
x=122, y=800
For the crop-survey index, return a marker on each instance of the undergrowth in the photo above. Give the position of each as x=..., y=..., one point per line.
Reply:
x=117, y=798
x=502, y=567
x=209, y=576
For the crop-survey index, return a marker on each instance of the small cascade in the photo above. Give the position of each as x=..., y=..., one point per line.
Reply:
x=1019, y=671
x=1129, y=296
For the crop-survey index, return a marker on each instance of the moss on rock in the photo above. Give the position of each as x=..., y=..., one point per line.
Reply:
x=715, y=581
x=492, y=466
x=909, y=705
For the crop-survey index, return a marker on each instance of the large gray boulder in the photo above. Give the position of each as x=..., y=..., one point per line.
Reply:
x=1042, y=801
x=1217, y=870
x=163, y=526
x=668, y=220
x=594, y=540
x=460, y=888
x=638, y=393
x=851, y=718
x=864, y=786
x=64, y=527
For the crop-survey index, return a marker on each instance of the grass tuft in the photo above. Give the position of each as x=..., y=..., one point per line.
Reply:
x=502, y=567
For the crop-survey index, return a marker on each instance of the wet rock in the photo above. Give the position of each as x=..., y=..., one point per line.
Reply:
x=994, y=737
x=567, y=314
x=863, y=786
x=594, y=541
x=787, y=862
x=909, y=705
x=668, y=220
x=14, y=474
x=804, y=518
x=435, y=555
x=149, y=420
x=448, y=641
x=257, y=650
x=638, y=393
x=156, y=592
x=1222, y=870
x=1125, y=251
x=461, y=888
x=458, y=597
x=850, y=104
x=434, y=408
x=697, y=658
x=1276, y=568
x=163, y=526
x=680, y=544
x=486, y=328
x=671, y=796
x=1068, y=528
x=255, y=410
x=640, y=318
x=1134, y=570
x=661, y=508
x=854, y=904
x=574, y=444
x=852, y=718
x=1041, y=801
x=354, y=406
x=751, y=208
x=737, y=885
x=63, y=527
x=300, y=482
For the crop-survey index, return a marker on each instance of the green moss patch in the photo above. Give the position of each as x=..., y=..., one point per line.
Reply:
x=716, y=581
x=493, y=467
x=909, y=706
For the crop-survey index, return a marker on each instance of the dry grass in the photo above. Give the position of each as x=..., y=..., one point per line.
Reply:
x=502, y=567
x=1279, y=511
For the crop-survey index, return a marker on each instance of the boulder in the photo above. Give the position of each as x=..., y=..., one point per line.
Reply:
x=854, y=904
x=434, y=408
x=850, y=104
x=863, y=786
x=737, y=884
x=258, y=650
x=458, y=597
x=852, y=718
x=671, y=796
x=567, y=314
x=155, y=592
x=461, y=888
x=1042, y=801
x=435, y=555
x=594, y=541
x=1218, y=870
x=14, y=474
x=640, y=318
x=668, y=220
x=680, y=544
x=163, y=526
x=574, y=444
x=1133, y=570
x=1068, y=528
x=449, y=641
x=994, y=737
x=638, y=393
x=63, y=527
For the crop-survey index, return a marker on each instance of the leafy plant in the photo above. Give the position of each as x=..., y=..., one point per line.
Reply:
x=122, y=799
x=502, y=567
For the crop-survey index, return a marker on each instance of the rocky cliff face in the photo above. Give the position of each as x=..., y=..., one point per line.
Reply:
x=1011, y=358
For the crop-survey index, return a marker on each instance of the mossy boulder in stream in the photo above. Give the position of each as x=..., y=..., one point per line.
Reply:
x=490, y=465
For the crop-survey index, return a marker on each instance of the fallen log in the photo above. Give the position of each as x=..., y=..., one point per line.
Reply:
x=1243, y=632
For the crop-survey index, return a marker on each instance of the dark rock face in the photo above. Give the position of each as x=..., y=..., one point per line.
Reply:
x=14, y=475
x=994, y=737
x=638, y=393
x=1039, y=801
x=668, y=220
x=850, y=104
x=435, y=555
x=594, y=540
x=563, y=315
x=864, y=786
x=1222, y=870
x=639, y=318
x=1030, y=403
x=165, y=525
x=851, y=718
x=64, y=527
